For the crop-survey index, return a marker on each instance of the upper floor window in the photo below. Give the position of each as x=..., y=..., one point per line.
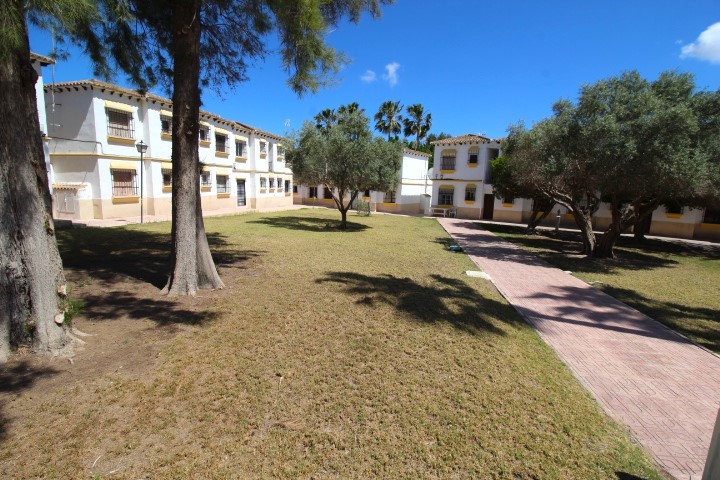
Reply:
x=221, y=143
x=447, y=160
x=240, y=148
x=280, y=151
x=473, y=155
x=263, y=147
x=165, y=124
x=120, y=124
x=204, y=133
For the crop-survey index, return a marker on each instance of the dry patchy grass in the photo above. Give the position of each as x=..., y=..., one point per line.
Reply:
x=359, y=354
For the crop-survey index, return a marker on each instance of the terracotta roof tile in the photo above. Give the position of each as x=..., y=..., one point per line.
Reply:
x=44, y=61
x=464, y=139
x=415, y=152
x=137, y=95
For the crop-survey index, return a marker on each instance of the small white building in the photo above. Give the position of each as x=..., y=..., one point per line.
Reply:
x=38, y=61
x=93, y=130
x=462, y=175
x=411, y=197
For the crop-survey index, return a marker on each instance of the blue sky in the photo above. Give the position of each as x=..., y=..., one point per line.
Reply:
x=476, y=66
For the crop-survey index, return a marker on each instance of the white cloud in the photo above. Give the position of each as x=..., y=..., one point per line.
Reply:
x=369, y=76
x=706, y=47
x=391, y=76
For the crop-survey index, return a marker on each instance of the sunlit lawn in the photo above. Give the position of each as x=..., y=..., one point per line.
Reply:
x=673, y=282
x=358, y=354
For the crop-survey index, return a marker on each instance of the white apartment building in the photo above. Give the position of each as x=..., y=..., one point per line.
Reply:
x=93, y=131
x=463, y=179
x=411, y=197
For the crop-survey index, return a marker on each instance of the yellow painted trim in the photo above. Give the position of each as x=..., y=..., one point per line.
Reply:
x=107, y=156
x=389, y=204
x=167, y=188
x=223, y=195
x=458, y=180
x=240, y=137
x=222, y=154
x=165, y=113
x=508, y=205
x=123, y=107
x=166, y=165
x=448, y=151
x=448, y=171
x=673, y=215
x=445, y=206
x=118, y=200
x=263, y=155
x=710, y=226
x=124, y=165
x=240, y=159
x=446, y=186
x=204, y=143
x=469, y=202
x=126, y=141
x=222, y=131
x=205, y=188
x=204, y=123
x=569, y=215
x=223, y=171
x=263, y=190
x=474, y=148
x=472, y=165
x=328, y=200
x=365, y=198
x=287, y=194
x=166, y=136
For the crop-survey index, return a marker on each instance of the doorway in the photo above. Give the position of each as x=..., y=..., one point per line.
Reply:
x=488, y=206
x=241, y=201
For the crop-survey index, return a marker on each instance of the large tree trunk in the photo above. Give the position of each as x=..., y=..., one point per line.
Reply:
x=32, y=283
x=192, y=266
x=539, y=213
x=584, y=223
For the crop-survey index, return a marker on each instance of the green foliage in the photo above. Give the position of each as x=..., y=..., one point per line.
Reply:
x=388, y=119
x=345, y=157
x=417, y=123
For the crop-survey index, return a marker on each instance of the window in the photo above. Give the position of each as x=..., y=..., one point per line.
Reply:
x=263, y=147
x=446, y=196
x=272, y=182
x=470, y=193
x=674, y=208
x=447, y=160
x=287, y=186
x=389, y=197
x=473, y=155
x=120, y=124
x=280, y=151
x=711, y=216
x=166, y=124
x=511, y=200
x=367, y=193
x=204, y=133
x=223, y=185
x=240, y=148
x=205, y=179
x=327, y=193
x=124, y=183
x=167, y=177
x=295, y=189
x=280, y=185
x=220, y=143
x=263, y=182
x=313, y=192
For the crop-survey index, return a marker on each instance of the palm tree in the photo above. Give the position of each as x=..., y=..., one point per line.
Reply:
x=350, y=108
x=416, y=124
x=388, y=119
x=326, y=119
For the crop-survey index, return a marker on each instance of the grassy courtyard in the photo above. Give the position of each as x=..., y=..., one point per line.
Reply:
x=357, y=354
x=671, y=281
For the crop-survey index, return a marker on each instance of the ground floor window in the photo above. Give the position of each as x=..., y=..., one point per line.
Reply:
x=470, y=193
x=167, y=177
x=674, y=207
x=511, y=200
x=124, y=183
x=312, y=192
x=223, y=186
x=295, y=190
x=272, y=182
x=446, y=196
x=367, y=193
x=263, y=182
x=712, y=215
x=205, y=179
x=327, y=193
x=389, y=197
x=287, y=186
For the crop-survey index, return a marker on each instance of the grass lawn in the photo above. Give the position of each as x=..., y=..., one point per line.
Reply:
x=357, y=354
x=674, y=282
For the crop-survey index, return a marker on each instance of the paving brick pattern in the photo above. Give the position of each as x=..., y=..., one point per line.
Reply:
x=662, y=386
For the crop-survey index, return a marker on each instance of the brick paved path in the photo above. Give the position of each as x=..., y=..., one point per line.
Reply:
x=663, y=387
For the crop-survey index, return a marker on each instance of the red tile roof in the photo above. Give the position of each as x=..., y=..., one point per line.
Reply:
x=464, y=139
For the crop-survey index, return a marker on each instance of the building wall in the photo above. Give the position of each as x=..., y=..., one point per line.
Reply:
x=83, y=154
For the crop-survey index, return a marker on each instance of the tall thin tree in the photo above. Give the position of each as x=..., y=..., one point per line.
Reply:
x=417, y=123
x=388, y=119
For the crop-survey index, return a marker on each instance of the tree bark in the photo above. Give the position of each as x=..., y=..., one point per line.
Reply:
x=536, y=218
x=584, y=223
x=32, y=281
x=192, y=266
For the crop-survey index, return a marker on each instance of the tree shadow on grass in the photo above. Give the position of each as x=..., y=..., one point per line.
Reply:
x=309, y=224
x=13, y=380
x=449, y=300
x=628, y=476
x=111, y=305
x=106, y=252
